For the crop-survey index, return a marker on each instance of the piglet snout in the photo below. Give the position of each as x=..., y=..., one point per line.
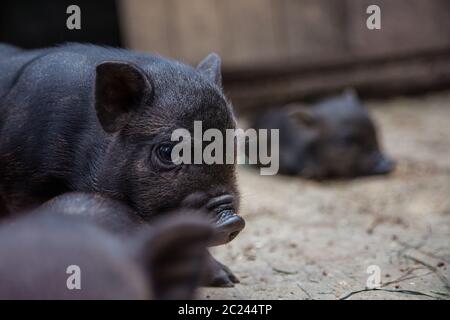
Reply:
x=383, y=165
x=228, y=229
x=227, y=223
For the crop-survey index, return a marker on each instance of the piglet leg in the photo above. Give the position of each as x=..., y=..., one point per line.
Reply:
x=217, y=274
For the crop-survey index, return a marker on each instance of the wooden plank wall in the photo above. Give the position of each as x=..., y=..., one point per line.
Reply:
x=257, y=32
x=249, y=32
x=271, y=36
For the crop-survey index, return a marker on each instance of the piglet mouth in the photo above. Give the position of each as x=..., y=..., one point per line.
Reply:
x=227, y=224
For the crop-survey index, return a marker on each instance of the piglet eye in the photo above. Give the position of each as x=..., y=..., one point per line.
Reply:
x=164, y=153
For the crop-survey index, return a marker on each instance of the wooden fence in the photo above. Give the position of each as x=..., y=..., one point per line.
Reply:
x=280, y=50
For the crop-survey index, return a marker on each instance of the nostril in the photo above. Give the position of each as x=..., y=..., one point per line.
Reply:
x=228, y=229
x=233, y=235
x=233, y=225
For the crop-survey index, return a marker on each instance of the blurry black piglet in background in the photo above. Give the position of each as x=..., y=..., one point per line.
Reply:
x=335, y=138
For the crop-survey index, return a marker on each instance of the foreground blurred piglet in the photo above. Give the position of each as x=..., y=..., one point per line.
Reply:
x=335, y=138
x=41, y=253
x=120, y=219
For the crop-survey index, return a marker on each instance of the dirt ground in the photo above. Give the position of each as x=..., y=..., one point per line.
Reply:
x=310, y=240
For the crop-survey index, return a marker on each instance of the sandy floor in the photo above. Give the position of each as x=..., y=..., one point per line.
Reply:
x=308, y=240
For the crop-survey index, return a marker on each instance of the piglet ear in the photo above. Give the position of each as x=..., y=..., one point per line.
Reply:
x=303, y=116
x=210, y=67
x=351, y=95
x=174, y=255
x=120, y=88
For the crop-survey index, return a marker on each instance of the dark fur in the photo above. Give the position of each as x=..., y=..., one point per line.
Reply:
x=164, y=262
x=119, y=219
x=89, y=118
x=335, y=138
x=52, y=141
